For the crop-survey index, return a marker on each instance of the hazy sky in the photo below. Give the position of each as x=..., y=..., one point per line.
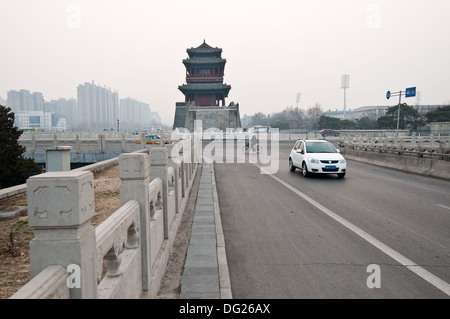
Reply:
x=274, y=49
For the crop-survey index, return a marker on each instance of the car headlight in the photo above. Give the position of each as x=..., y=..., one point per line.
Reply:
x=313, y=161
x=342, y=161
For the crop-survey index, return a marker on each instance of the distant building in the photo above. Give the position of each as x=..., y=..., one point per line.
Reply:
x=440, y=128
x=33, y=120
x=137, y=115
x=24, y=100
x=340, y=114
x=205, y=92
x=61, y=125
x=66, y=109
x=374, y=112
x=98, y=107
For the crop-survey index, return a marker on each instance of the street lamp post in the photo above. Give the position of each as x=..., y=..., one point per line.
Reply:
x=345, y=84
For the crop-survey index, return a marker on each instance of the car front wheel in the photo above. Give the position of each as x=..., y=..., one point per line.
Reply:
x=291, y=166
x=341, y=175
x=305, y=170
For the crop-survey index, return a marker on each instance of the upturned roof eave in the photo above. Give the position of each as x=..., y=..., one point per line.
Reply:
x=204, y=87
x=204, y=61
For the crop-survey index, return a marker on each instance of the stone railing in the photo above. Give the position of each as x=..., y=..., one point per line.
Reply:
x=126, y=255
x=85, y=147
x=421, y=146
x=94, y=168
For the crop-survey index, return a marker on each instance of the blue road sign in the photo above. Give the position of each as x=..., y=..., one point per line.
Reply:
x=388, y=95
x=410, y=92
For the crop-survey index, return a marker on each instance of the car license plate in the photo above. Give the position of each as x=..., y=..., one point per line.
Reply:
x=330, y=167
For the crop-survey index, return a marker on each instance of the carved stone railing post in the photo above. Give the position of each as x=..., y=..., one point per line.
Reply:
x=77, y=143
x=123, y=142
x=187, y=158
x=134, y=173
x=177, y=171
x=159, y=162
x=183, y=174
x=60, y=208
x=185, y=155
x=196, y=152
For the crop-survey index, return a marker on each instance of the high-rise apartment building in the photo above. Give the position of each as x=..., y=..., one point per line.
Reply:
x=134, y=114
x=98, y=107
x=24, y=100
x=63, y=109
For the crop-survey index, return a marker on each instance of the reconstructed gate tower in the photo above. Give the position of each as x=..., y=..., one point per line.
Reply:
x=205, y=92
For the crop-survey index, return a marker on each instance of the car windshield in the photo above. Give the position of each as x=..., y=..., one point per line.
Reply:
x=320, y=147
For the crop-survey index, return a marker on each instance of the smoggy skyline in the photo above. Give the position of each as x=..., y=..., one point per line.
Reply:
x=274, y=50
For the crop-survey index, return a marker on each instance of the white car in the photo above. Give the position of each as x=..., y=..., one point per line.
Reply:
x=317, y=156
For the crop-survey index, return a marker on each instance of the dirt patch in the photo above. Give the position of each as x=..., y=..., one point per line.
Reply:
x=15, y=235
x=107, y=194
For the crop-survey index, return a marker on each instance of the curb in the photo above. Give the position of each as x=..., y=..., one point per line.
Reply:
x=224, y=275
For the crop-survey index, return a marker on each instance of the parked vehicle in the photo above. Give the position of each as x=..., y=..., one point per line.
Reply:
x=317, y=157
x=156, y=139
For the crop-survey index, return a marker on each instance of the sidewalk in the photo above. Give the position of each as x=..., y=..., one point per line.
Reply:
x=205, y=273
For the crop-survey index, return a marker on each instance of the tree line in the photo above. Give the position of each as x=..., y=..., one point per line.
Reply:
x=314, y=118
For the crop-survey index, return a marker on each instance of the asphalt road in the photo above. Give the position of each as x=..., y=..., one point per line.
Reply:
x=288, y=236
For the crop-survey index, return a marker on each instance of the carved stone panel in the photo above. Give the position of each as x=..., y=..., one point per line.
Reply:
x=158, y=156
x=60, y=199
x=134, y=166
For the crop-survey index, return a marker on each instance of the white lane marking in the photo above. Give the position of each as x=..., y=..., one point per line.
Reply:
x=442, y=206
x=425, y=274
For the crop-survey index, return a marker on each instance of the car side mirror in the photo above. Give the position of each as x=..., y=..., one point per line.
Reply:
x=338, y=150
x=300, y=151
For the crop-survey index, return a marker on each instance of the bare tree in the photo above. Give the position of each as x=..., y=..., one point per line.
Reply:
x=313, y=114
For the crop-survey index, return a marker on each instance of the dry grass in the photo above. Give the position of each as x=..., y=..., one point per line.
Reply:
x=15, y=235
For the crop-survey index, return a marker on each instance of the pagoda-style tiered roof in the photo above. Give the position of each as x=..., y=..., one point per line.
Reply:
x=204, y=49
x=205, y=92
x=204, y=76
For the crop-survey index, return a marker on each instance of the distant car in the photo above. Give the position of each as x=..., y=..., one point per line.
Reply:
x=156, y=139
x=328, y=132
x=317, y=156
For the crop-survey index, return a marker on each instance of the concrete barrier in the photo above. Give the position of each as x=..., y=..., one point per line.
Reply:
x=423, y=166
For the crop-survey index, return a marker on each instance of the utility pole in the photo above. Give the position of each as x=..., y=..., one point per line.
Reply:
x=398, y=114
